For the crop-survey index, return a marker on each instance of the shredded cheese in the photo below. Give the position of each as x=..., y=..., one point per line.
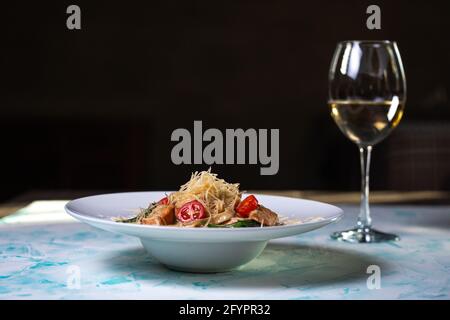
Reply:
x=215, y=194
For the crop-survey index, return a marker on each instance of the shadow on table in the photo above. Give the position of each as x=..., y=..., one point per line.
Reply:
x=286, y=264
x=280, y=265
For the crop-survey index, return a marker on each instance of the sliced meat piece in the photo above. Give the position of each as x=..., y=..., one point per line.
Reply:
x=264, y=216
x=232, y=220
x=162, y=215
x=195, y=224
x=222, y=217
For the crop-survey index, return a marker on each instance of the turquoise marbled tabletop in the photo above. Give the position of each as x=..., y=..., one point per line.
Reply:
x=44, y=254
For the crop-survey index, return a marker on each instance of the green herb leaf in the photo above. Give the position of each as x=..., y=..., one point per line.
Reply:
x=239, y=224
x=127, y=220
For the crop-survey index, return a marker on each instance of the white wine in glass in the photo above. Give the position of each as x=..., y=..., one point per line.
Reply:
x=367, y=94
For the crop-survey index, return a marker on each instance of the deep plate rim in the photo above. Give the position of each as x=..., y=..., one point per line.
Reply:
x=83, y=217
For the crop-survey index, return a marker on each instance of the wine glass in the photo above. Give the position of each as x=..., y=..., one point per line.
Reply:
x=367, y=94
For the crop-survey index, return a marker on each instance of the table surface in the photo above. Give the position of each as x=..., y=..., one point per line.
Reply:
x=45, y=254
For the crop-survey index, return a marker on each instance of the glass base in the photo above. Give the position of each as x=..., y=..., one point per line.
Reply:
x=364, y=235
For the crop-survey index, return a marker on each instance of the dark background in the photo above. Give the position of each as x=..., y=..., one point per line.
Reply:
x=94, y=108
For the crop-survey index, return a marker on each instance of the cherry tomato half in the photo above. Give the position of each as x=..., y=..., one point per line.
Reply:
x=164, y=200
x=246, y=206
x=191, y=211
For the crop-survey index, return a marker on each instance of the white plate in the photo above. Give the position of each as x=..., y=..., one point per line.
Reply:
x=200, y=249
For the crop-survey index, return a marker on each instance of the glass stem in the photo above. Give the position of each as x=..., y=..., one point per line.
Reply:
x=364, y=220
